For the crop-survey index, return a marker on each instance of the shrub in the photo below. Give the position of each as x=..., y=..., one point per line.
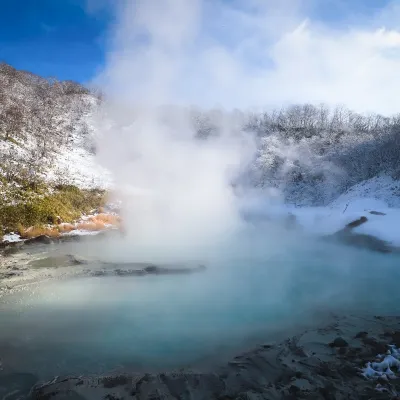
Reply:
x=68, y=203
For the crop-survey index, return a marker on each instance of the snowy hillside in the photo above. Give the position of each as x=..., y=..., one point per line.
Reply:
x=46, y=131
x=377, y=200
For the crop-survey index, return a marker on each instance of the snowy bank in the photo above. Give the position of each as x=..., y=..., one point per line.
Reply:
x=383, y=219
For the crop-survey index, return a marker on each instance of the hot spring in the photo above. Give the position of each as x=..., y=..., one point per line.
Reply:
x=248, y=291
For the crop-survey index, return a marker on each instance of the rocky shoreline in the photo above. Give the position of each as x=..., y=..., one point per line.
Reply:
x=320, y=363
x=21, y=269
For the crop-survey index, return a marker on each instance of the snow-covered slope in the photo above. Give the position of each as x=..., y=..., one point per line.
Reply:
x=375, y=199
x=46, y=131
x=381, y=187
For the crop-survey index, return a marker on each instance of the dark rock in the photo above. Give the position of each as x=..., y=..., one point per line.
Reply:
x=338, y=342
x=328, y=392
x=376, y=347
x=10, y=248
x=112, y=382
x=75, y=261
x=98, y=273
x=395, y=337
x=361, y=335
x=364, y=241
x=152, y=269
x=376, y=213
x=42, y=239
x=294, y=389
x=112, y=397
x=356, y=223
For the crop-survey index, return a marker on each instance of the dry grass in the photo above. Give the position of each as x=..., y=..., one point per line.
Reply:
x=91, y=226
x=33, y=232
x=65, y=228
x=97, y=222
x=108, y=219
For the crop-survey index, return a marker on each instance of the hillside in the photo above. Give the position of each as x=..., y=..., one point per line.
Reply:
x=307, y=155
x=47, y=152
x=46, y=130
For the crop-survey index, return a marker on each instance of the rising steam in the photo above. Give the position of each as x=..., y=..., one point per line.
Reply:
x=176, y=188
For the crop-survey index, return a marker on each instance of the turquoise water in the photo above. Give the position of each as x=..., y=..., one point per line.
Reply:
x=91, y=325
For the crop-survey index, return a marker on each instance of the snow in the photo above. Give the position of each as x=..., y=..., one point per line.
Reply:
x=79, y=167
x=81, y=232
x=345, y=209
x=11, y=238
x=382, y=187
x=383, y=367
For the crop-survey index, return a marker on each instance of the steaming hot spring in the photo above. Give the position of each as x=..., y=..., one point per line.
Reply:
x=103, y=314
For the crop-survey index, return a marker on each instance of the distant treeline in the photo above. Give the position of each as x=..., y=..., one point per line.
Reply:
x=312, y=153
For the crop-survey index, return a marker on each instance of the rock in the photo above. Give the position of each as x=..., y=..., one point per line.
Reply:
x=375, y=346
x=111, y=382
x=42, y=239
x=346, y=236
x=361, y=335
x=356, y=223
x=338, y=342
x=75, y=260
x=11, y=248
x=367, y=241
x=376, y=213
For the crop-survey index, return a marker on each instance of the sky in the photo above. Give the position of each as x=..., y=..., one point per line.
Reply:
x=249, y=52
x=57, y=38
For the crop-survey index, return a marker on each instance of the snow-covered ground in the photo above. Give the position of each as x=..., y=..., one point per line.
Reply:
x=11, y=238
x=377, y=195
x=79, y=167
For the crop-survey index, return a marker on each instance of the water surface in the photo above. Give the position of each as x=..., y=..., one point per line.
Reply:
x=91, y=325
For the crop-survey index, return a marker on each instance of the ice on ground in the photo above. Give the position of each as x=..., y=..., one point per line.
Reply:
x=382, y=187
x=383, y=368
x=80, y=168
x=12, y=238
x=80, y=232
x=383, y=222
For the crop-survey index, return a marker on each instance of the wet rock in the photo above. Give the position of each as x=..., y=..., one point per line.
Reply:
x=375, y=346
x=73, y=260
x=10, y=248
x=42, y=239
x=363, y=241
x=9, y=274
x=338, y=342
x=356, y=223
x=376, y=213
x=361, y=335
x=349, y=237
x=111, y=382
